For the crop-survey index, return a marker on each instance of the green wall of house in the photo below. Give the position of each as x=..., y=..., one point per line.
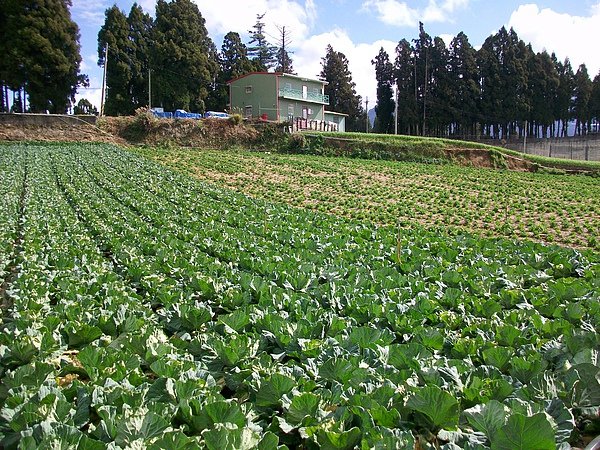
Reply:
x=254, y=95
x=338, y=119
x=295, y=108
x=277, y=96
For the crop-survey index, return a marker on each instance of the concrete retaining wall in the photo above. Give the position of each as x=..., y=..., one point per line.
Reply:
x=578, y=148
x=45, y=120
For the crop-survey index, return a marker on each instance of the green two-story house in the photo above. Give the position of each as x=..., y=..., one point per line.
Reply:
x=280, y=97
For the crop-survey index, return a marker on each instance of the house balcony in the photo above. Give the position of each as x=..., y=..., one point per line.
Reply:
x=298, y=94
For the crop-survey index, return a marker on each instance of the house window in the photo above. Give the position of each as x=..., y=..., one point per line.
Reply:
x=288, y=86
x=248, y=111
x=291, y=110
x=304, y=92
x=248, y=89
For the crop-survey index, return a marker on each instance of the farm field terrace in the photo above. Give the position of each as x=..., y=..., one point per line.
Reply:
x=142, y=308
x=562, y=209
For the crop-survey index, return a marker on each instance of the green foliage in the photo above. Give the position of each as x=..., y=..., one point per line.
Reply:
x=340, y=88
x=84, y=107
x=262, y=54
x=41, y=40
x=184, y=58
x=522, y=433
x=384, y=122
x=440, y=408
x=151, y=310
x=236, y=119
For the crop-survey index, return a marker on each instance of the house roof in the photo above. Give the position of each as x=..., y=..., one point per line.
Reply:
x=278, y=74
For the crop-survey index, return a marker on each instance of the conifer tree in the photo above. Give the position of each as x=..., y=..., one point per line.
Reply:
x=284, y=61
x=263, y=54
x=341, y=89
x=384, y=110
x=404, y=74
x=120, y=67
x=233, y=62
x=41, y=53
x=465, y=93
x=564, y=94
x=140, y=29
x=581, y=101
x=595, y=101
x=184, y=58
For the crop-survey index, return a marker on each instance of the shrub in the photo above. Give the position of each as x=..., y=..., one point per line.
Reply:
x=236, y=119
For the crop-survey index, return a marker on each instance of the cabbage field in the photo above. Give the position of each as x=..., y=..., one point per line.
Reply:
x=562, y=209
x=144, y=309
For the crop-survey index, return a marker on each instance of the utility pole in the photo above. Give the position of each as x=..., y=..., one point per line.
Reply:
x=104, y=80
x=367, y=110
x=425, y=95
x=396, y=109
x=149, y=89
x=525, y=138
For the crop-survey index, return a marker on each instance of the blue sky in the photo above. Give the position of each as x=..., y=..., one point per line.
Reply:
x=358, y=28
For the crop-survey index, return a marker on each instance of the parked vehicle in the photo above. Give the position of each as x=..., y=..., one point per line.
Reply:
x=216, y=115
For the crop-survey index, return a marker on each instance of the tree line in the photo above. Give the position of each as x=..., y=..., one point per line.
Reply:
x=502, y=90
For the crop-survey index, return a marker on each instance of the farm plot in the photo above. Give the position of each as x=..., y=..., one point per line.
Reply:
x=144, y=309
x=548, y=208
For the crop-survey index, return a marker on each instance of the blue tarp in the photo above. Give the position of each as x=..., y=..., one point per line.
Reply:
x=182, y=114
x=162, y=114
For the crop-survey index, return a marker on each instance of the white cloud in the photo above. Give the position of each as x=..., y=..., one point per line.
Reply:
x=393, y=12
x=93, y=94
x=566, y=35
x=89, y=12
x=307, y=60
x=447, y=38
x=397, y=13
x=296, y=16
x=148, y=6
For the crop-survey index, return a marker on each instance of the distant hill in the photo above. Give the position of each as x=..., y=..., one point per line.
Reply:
x=371, y=114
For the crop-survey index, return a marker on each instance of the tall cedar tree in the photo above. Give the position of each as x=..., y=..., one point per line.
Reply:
x=119, y=66
x=263, y=54
x=41, y=53
x=564, y=94
x=4, y=68
x=341, y=89
x=233, y=62
x=404, y=73
x=543, y=86
x=140, y=29
x=595, y=101
x=384, y=110
x=184, y=58
x=422, y=52
x=581, y=102
x=439, y=114
x=464, y=98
